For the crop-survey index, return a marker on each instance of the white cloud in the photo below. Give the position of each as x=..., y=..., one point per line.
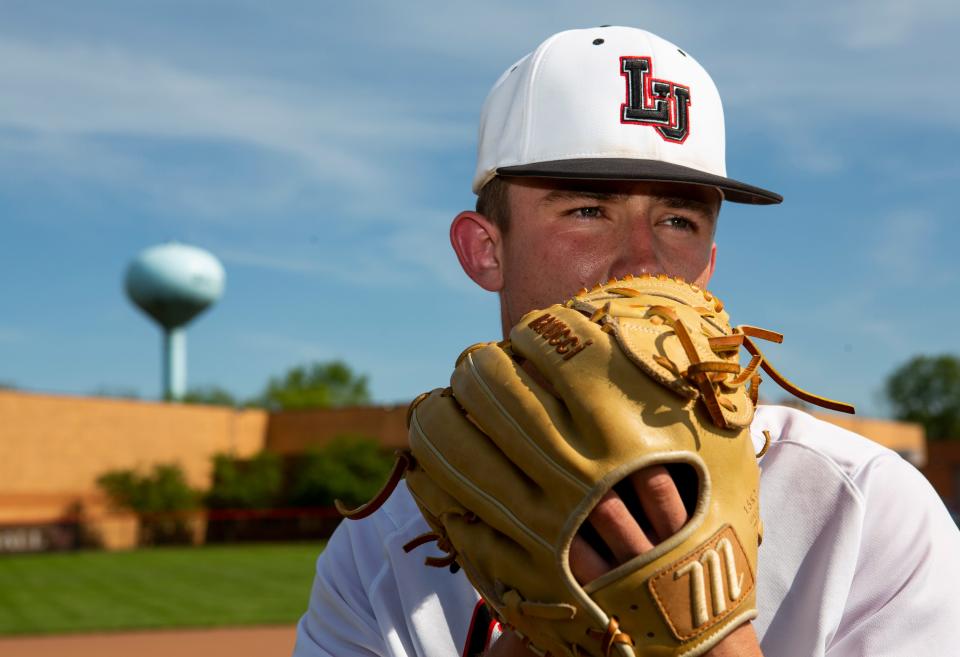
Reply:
x=98, y=90
x=504, y=31
x=282, y=348
x=821, y=73
x=411, y=253
x=62, y=101
x=873, y=24
x=274, y=262
x=902, y=246
x=424, y=245
x=795, y=72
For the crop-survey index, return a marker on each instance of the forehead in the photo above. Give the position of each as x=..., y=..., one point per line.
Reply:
x=546, y=191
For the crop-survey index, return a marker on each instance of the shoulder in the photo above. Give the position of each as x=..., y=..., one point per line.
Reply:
x=813, y=458
x=372, y=541
x=823, y=459
x=857, y=528
x=398, y=514
x=367, y=587
x=836, y=483
x=844, y=452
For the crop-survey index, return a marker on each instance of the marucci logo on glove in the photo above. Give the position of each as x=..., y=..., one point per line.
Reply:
x=558, y=334
x=703, y=588
x=659, y=103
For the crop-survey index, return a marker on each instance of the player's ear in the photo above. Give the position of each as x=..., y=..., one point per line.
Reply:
x=477, y=242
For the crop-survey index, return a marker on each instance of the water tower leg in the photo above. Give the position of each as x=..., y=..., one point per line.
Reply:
x=174, y=364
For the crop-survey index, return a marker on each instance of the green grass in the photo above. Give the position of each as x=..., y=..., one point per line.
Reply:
x=155, y=588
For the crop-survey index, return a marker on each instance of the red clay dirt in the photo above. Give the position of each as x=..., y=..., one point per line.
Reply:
x=220, y=642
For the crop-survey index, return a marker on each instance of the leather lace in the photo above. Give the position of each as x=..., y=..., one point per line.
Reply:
x=772, y=336
x=443, y=543
x=708, y=375
x=714, y=378
x=404, y=462
x=611, y=636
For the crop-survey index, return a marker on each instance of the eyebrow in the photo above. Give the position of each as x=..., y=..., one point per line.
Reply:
x=681, y=203
x=675, y=202
x=575, y=194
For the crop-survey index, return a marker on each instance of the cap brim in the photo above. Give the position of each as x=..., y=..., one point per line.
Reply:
x=633, y=169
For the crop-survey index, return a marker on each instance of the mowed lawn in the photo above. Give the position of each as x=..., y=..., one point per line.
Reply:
x=155, y=588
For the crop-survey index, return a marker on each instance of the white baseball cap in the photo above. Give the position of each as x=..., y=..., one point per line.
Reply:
x=608, y=103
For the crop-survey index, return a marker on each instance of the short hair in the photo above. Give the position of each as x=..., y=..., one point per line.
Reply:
x=493, y=202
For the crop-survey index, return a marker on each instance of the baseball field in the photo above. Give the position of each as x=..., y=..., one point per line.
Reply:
x=173, y=598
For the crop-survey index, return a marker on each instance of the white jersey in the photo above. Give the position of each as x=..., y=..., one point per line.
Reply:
x=859, y=558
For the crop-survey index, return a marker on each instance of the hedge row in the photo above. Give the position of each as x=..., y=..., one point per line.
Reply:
x=349, y=468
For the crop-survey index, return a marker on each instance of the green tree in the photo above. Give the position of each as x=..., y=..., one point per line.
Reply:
x=245, y=483
x=211, y=395
x=926, y=389
x=349, y=468
x=159, y=498
x=317, y=385
x=116, y=392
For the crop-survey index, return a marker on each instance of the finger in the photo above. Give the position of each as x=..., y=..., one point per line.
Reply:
x=585, y=562
x=660, y=500
x=618, y=528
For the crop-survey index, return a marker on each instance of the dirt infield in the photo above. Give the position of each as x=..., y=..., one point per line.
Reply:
x=224, y=642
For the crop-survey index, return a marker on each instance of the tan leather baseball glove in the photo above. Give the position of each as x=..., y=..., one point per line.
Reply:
x=509, y=461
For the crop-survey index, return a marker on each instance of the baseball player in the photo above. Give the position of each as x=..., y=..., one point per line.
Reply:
x=601, y=155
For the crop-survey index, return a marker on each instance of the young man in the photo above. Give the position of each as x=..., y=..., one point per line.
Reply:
x=602, y=154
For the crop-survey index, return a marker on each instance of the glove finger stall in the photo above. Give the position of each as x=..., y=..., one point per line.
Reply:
x=524, y=420
x=463, y=460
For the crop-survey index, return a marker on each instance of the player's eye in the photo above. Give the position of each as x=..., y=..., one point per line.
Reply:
x=680, y=223
x=590, y=212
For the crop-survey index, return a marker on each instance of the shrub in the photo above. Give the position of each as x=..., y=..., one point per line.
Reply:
x=245, y=484
x=349, y=468
x=158, y=498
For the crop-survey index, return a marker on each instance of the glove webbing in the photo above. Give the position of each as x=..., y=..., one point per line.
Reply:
x=705, y=373
x=699, y=371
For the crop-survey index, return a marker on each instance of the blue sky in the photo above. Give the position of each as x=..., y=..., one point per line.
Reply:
x=321, y=149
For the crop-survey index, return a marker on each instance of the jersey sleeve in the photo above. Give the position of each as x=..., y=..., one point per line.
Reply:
x=903, y=597
x=371, y=597
x=340, y=621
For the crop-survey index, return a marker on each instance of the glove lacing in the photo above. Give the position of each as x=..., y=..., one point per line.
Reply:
x=404, y=462
x=713, y=378
x=611, y=636
x=443, y=543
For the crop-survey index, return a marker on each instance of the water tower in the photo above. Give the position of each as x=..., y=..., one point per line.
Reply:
x=173, y=283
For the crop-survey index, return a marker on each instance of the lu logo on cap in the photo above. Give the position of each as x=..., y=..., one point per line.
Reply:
x=608, y=104
x=659, y=103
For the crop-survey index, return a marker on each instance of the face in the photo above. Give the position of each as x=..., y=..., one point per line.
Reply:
x=566, y=235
